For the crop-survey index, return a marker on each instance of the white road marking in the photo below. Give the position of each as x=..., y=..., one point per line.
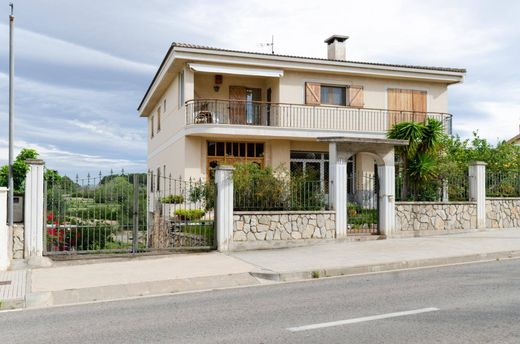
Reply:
x=358, y=320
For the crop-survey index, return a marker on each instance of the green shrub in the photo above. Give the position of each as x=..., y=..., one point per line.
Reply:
x=173, y=199
x=190, y=214
x=203, y=193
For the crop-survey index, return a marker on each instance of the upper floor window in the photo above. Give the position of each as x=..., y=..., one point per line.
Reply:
x=320, y=94
x=151, y=127
x=333, y=95
x=159, y=119
x=181, y=89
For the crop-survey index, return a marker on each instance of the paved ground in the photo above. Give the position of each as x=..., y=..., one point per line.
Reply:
x=74, y=282
x=474, y=303
x=351, y=254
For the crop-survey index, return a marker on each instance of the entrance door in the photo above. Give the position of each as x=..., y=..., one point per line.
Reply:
x=406, y=105
x=363, y=205
x=237, y=105
x=244, y=107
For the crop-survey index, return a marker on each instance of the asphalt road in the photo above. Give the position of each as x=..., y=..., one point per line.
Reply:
x=474, y=303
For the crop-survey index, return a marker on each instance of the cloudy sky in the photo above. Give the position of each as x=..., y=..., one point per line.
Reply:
x=83, y=66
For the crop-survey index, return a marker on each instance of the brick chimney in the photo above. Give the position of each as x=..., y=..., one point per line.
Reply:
x=336, y=47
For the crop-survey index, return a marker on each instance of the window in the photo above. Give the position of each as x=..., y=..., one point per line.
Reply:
x=229, y=153
x=151, y=127
x=333, y=95
x=158, y=179
x=159, y=119
x=181, y=89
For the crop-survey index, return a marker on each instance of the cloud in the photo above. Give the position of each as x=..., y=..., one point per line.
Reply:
x=71, y=163
x=43, y=48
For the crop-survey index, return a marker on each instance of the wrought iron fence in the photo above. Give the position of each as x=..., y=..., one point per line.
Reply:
x=282, y=195
x=454, y=188
x=283, y=115
x=183, y=213
x=363, y=204
x=503, y=184
x=101, y=213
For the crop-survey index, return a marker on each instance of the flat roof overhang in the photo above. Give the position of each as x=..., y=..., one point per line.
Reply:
x=363, y=140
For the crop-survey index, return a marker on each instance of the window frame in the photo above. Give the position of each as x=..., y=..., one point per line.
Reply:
x=344, y=92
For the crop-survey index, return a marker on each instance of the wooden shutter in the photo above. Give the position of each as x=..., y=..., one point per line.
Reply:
x=355, y=96
x=409, y=105
x=237, y=108
x=312, y=93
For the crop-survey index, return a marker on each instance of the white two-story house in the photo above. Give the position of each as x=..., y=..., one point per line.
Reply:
x=209, y=106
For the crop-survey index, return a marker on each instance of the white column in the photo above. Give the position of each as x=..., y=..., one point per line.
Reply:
x=5, y=247
x=477, y=190
x=34, y=215
x=338, y=188
x=386, y=174
x=224, y=206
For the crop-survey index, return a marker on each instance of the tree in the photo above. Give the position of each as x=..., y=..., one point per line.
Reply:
x=20, y=169
x=418, y=158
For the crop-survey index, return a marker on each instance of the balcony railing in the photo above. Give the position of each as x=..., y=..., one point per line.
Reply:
x=299, y=116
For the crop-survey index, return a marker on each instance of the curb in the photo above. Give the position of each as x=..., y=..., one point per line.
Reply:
x=125, y=291
x=385, y=267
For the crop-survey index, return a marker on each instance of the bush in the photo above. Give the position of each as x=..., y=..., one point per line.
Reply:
x=189, y=214
x=203, y=193
x=173, y=199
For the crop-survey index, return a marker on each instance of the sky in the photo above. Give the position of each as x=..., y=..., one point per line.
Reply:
x=82, y=67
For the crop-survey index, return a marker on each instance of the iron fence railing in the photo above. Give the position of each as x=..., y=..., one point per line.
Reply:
x=100, y=213
x=342, y=118
x=502, y=184
x=183, y=213
x=292, y=195
x=454, y=188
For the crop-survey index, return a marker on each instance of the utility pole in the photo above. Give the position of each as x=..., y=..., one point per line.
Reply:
x=10, y=183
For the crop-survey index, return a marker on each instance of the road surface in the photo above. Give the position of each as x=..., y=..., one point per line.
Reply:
x=472, y=303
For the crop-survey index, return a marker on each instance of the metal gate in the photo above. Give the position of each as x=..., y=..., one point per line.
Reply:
x=126, y=213
x=363, y=204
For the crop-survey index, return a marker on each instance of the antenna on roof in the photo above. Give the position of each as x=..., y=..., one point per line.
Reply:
x=269, y=44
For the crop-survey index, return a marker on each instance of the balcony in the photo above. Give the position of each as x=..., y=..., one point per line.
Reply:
x=298, y=116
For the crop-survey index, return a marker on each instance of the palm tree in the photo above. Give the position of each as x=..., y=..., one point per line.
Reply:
x=419, y=156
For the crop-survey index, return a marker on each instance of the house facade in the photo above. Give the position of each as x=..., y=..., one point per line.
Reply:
x=207, y=107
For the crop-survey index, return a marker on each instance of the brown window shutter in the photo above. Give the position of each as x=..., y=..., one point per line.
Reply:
x=312, y=93
x=356, y=97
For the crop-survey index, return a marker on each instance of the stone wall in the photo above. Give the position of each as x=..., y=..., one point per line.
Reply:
x=502, y=212
x=18, y=240
x=435, y=216
x=283, y=225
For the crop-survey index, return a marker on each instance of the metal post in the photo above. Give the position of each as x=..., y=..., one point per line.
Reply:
x=135, y=215
x=10, y=183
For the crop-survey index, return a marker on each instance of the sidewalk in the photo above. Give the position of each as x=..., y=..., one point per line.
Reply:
x=74, y=282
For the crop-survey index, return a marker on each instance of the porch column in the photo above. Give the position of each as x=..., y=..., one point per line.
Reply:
x=477, y=190
x=338, y=188
x=5, y=247
x=34, y=209
x=224, y=206
x=386, y=174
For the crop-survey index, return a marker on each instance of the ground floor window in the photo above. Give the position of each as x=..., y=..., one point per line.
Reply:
x=315, y=166
x=229, y=153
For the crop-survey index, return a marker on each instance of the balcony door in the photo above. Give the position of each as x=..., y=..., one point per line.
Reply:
x=406, y=105
x=242, y=106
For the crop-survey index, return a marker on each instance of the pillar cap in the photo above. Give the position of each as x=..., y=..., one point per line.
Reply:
x=224, y=168
x=34, y=162
x=3, y=189
x=478, y=163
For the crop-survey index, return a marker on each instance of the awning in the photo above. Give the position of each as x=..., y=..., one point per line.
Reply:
x=219, y=69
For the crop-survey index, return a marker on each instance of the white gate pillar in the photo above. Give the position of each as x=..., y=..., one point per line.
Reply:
x=386, y=174
x=5, y=247
x=338, y=187
x=224, y=206
x=34, y=216
x=477, y=190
